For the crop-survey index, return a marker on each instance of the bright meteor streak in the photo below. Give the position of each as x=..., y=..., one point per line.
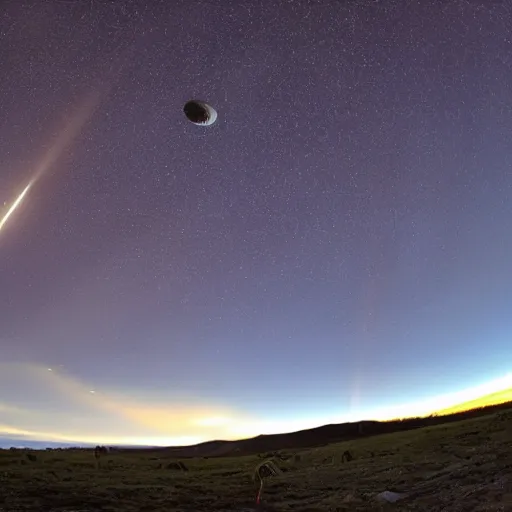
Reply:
x=14, y=205
x=67, y=135
x=69, y=132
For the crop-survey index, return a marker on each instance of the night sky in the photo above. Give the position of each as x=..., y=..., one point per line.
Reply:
x=337, y=244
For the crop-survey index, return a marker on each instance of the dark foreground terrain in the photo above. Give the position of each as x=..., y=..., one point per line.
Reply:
x=458, y=466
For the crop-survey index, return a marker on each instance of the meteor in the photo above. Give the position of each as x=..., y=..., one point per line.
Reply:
x=70, y=131
x=68, y=134
x=14, y=205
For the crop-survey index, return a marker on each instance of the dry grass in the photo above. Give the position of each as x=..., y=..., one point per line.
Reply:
x=464, y=466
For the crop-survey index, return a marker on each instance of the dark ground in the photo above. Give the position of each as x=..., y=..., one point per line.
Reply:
x=455, y=466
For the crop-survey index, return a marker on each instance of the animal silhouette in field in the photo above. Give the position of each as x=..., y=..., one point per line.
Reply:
x=99, y=452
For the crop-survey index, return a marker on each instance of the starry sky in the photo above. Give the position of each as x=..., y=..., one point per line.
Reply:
x=338, y=244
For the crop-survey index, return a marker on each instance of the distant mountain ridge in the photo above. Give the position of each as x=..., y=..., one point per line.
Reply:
x=496, y=398
x=309, y=438
x=17, y=442
x=319, y=436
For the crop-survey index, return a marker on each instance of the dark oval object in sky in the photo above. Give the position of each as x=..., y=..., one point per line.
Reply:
x=200, y=113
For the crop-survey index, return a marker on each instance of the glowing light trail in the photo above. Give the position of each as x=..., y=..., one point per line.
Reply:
x=67, y=135
x=14, y=205
x=72, y=129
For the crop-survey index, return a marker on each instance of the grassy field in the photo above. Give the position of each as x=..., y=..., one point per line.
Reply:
x=461, y=466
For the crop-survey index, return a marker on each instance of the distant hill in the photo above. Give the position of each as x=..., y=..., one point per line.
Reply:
x=498, y=398
x=319, y=436
x=17, y=442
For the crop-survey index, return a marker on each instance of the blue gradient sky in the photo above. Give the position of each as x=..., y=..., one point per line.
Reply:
x=337, y=244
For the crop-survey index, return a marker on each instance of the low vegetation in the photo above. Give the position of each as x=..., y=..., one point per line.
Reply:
x=455, y=466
